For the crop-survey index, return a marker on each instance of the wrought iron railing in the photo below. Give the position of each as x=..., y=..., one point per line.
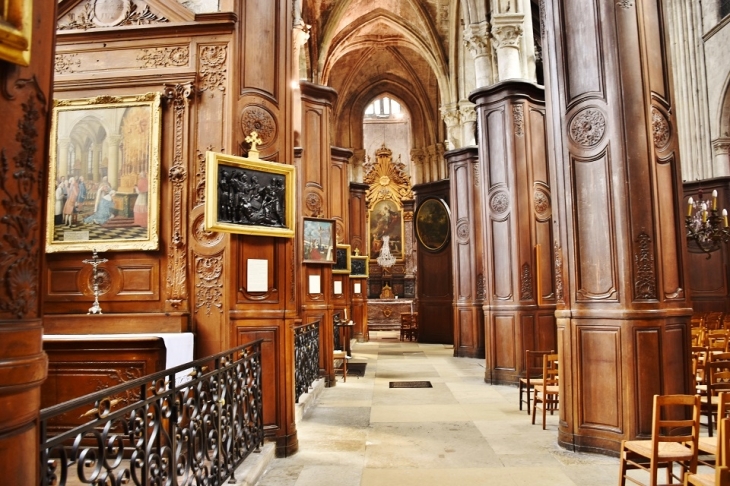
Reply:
x=306, y=357
x=192, y=424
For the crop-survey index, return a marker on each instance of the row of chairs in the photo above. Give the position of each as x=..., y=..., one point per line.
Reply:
x=711, y=320
x=711, y=370
x=675, y=439
x=539, y=388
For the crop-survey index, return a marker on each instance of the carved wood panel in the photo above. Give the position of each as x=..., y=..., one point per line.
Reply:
x=600, y=377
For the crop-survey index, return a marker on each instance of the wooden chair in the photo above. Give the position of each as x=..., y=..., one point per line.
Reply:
x=533, y=375
x=709, y=445
x=718, y=373
x=673, y=439
x=338, y=355
x=547, y=395
x=721, y=476
x=409, y=327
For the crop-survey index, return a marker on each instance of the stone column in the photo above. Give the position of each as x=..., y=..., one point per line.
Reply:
x=507, y=33
x=96, y=163
x=476, y=39
x=467, y=252
x=440, y=162
x=516, y=226
x=417, y=160
x=468, y=118
x=450, y=116
x=721, y=159
x=62, y=156
x=623, y=314
x=356, y=161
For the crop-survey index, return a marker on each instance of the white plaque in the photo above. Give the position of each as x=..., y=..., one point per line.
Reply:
x=315, y=286
x=257, y=279
x=338, y=287
x=357, y=288
x=76, y=235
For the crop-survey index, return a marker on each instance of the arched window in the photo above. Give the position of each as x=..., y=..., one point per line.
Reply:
x=383, y=108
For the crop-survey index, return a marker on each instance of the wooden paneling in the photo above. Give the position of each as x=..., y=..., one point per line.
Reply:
x=599, y=358
x=261, y=32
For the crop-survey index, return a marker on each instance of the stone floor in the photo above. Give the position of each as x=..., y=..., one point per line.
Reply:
x=462, y=431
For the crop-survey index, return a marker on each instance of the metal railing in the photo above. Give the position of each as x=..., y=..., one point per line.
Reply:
x=306, y=357
x=192, y=424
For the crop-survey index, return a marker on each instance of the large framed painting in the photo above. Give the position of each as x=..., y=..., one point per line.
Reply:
x=249, y=196
x=385, y=218
x=319, y=240
x=103, y=184
x=433, y=224
x=342, y=259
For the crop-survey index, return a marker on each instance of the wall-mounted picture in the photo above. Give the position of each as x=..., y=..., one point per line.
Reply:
x=433, y=224
x=103, y=184
x=319, y=240
x=248, y=196
x=342, y=259
x=386, y=219
x=359, y=266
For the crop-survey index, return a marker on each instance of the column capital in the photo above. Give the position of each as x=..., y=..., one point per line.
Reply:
x=300, y=34
x=417, y=156
x=721, y=146
x=467, y=111
x=450, y=114
x=476, y=38
x=507, y=29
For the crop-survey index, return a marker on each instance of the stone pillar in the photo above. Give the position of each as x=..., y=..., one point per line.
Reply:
x=410, y=253
x=507, y=33
x=96, y=163
x=476, y=39
x=450, y=116
x=467, y=252
x=356, y=161
x=721, y=159
x=623, y=315
x=417, y=162
x=468, y=118
x=516, y=226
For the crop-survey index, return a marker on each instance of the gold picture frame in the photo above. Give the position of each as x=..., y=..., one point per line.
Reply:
x=359, y=266
x=385, y=218
x=16, y=25
x=319, y=241
x=342, y=259
x=104, y=174
x=249, y=196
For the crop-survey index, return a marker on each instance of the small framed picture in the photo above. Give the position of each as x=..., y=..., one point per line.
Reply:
x=359, y=266
x=319, y=240
x=342, y=259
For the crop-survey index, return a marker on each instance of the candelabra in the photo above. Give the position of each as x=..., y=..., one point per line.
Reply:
x=705, y=225
x=95, y=261
x=386, y=258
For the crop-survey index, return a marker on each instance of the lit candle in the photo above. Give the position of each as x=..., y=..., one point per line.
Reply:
x=703, y=208
x=724, y=216
x=714, y=200
x=411, y=307
x=345, y=314
x=691, y=203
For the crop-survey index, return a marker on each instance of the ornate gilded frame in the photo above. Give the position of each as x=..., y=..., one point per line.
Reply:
x=114, y=143
x=266, y=211
x=359, y=266
x=16, y=21
x=342, y=259
x=319, y=241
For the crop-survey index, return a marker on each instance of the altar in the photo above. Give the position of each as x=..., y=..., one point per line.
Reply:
x=384, y=314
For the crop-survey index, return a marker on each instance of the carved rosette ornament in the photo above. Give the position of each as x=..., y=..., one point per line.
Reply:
x=203, y=236
x=588, y=127
x=314, y=203
x=108, y=13
x=659, y=128
x=256, y=118
x=542, y=203
x=209, y=283
x=178, y=97
x=499, y=202
x=645, y=284
x=462, y=231
x=213, y=68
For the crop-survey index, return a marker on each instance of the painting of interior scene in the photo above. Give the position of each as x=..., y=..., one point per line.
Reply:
x=102, y=173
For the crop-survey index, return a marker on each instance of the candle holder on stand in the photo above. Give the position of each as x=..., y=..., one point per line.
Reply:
x=95, y=261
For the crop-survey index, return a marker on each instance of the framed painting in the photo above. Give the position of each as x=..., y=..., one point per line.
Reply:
x=16, y=24
x=249, y=196
x=385, y=218
x=104, y=174
x=433, y=224
x=319, y=240
x=359, y=266
x=342, y=259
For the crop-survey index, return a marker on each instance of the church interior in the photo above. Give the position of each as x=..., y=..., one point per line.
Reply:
x=241, y=182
